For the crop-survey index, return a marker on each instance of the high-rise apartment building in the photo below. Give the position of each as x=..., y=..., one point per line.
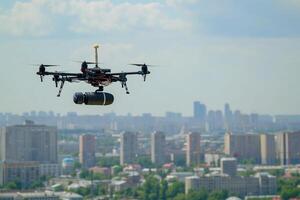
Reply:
x=288, y=148
x=229, y=166
x=28, y=142
x=268, y=149
x=87, y=148
x=243, y=146
x=158, y=144
x=128, y=147
x=192, y=148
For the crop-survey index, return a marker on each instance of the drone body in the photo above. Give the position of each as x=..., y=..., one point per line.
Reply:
x=96, y=77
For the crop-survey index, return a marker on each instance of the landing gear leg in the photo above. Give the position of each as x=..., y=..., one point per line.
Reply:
x=126, y=88
x=61, y=87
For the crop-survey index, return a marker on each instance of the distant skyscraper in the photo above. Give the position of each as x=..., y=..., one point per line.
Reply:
x=128, y=148
x=28, y=142
x=268, y=149
x=192, y=148
x=215, y=120
x=243, y=146
x=158, y=143
x=199, y=111
x=229, y=166
x=87, y=148
x=288, y=148
x=228, y=116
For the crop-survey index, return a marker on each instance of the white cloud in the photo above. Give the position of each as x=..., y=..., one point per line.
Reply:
x=25, y=19
x=40, y=17
x=181, y=2
x=107, y=16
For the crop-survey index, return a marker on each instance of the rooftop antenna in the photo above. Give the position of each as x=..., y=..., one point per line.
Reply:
x=96, y=46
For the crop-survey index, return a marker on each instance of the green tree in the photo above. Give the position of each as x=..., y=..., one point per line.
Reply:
x=13, y=185
x=108, y=161
x=150, y=189
x=197, y=195
x=145, y=161
x=163, y=190
x=36, y=184
x=84, y=174
x=218, y=195
x=77, y=165
x=174, y=189
x=180, y=196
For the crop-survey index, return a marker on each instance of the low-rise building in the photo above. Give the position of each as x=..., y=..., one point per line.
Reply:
x=25, y=172
x=29, y=196
x=260, y=184
x=118, y=185
x=50, y=169
x=45, y=195
x=101, y=170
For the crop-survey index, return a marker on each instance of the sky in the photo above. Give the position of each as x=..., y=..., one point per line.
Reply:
x=245, y=53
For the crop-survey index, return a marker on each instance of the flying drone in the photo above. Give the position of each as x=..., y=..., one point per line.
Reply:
x=96, y=77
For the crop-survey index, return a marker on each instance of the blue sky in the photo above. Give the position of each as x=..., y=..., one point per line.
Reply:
x=241, y=52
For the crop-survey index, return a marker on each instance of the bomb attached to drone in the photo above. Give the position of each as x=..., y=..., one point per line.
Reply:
x=95, y=76
x=93, y=98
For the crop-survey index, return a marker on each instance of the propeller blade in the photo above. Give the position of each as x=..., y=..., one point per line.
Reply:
x=137, y=64
x=50, y=65
x=38, y=65
x=141, y=65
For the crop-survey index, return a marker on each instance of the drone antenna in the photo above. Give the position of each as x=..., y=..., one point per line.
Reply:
x=96, y=46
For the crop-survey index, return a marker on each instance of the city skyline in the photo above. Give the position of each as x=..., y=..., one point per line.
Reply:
x=209, y=50
x=161, y=114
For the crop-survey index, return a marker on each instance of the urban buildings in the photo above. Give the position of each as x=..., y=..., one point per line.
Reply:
x=228, y=166
x=27, y=152
x=40, y=195
x=288, y=148
x=158, y=144
x=28, y=142
x=215, y=120
x=25, y=172
x=234, y=120
x=258, y=148
x=228, y=117
x=243, y=146
x=128, y=147
x=268, y=149
x=68, y=165
x=87, y=148
x=260, y=184
x=199, y=111
x=192, y=148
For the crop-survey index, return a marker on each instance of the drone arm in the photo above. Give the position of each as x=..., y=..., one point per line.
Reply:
x=126, y=73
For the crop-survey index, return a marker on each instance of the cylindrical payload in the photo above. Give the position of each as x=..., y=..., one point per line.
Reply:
x=93, y=98
x=78, y=98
